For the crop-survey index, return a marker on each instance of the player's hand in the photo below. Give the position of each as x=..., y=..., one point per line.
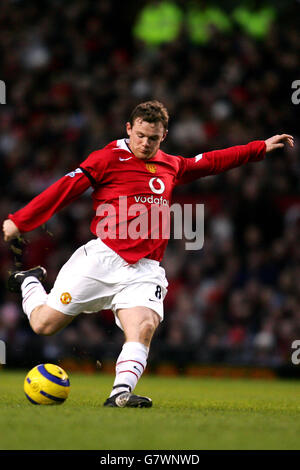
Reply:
x=10, y=230
x=278, y=141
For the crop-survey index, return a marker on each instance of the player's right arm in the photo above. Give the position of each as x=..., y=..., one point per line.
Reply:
x=45, y=205
x=57, y=196
x=66, y=190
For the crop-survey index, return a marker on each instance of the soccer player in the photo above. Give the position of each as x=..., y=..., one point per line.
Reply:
x=118, y=270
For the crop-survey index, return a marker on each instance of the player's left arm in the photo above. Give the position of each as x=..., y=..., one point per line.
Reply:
x=218, y=161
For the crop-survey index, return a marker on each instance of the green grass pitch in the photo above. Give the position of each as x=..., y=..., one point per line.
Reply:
x=187, y=413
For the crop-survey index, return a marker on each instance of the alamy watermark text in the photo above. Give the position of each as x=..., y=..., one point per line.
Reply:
x=2, y=352
x=296, y=353
x=296, y=93
x=2, y=92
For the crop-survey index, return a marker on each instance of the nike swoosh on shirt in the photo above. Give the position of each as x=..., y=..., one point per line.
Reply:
x=151, y=300
x=123, y=159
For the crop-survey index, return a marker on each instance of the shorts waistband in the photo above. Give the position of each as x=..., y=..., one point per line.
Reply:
x=141, y=261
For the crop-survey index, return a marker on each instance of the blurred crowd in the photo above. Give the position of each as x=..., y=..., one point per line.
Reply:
x=73, y=72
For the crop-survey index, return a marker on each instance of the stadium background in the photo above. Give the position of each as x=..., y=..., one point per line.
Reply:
x=73, y=72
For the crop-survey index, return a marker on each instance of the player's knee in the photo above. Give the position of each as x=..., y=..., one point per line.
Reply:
x=147, y=329
x=43, y=327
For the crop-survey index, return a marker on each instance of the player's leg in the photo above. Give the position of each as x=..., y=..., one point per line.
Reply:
x=43, y=319
x=139, y=325
x=138, y=309
x=76, y=289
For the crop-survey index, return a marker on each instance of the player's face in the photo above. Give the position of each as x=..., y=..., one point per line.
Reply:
x=145, y=138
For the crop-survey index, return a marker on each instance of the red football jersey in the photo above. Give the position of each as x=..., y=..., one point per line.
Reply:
x=128, y=191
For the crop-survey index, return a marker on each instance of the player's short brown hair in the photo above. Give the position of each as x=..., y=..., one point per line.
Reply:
x=150, y=111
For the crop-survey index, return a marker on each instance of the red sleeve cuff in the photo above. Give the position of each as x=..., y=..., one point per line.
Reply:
x=258, y=150
x=18, y=223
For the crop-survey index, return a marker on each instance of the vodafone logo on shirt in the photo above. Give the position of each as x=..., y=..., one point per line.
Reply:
x=157, y=185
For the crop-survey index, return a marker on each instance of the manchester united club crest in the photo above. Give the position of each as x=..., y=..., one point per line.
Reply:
x=151, y=167
x=65, y=298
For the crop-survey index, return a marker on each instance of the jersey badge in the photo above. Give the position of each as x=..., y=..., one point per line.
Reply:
x=151, y=167
x=65, y=298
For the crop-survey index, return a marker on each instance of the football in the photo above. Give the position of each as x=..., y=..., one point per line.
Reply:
x=47, y=384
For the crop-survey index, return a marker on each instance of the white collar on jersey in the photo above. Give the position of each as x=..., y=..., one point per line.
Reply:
x=123, y=145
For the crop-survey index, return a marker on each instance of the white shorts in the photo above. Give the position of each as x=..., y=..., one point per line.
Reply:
x=96, y=278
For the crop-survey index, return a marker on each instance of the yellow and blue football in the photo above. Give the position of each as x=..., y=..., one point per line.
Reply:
x=47, y=384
